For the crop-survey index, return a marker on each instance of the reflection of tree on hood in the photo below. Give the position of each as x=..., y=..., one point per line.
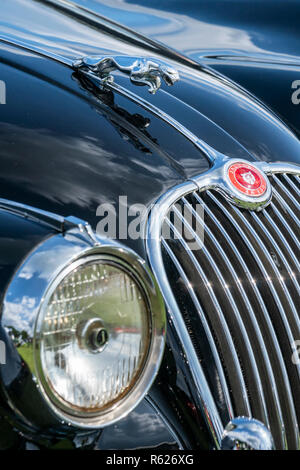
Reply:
x=19, y=337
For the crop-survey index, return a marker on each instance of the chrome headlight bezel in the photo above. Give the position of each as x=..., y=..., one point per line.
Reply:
x=36, y=279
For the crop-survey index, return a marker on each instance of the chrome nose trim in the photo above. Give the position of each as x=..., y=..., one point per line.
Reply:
x=246, y=434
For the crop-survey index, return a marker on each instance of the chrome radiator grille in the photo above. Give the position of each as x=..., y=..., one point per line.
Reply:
x=238, y=296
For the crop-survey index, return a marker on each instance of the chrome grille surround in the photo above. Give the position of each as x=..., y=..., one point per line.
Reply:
x=249, y=323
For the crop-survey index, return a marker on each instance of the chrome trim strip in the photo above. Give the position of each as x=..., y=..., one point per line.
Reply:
x=51, y=220
x=278, y=167
x=48, y=218
x=209, y=409
x=37, y=50
x=126, y=33
x=210, y=153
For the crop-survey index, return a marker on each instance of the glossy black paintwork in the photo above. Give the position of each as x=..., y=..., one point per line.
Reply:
x=255, y=43
x=67, y=152
x=147, y=430
x=67, y=147
x=18, y=237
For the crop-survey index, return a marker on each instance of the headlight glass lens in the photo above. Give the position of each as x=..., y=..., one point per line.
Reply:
x=94, y=337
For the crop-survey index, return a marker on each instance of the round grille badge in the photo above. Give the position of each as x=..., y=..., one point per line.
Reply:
x=247, y=179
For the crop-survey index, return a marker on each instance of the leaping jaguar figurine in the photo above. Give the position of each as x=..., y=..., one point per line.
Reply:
x=140, y=70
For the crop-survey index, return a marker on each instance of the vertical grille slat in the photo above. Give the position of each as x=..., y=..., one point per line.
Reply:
x=289, y=231
x=269, y=283
x=263, y=270
x=252, y=249
x=286, y=264
x=242, y=284
x=296, y=179
x=293, y=187
x=207, y=329
x=237, y=327
x=286, y=208
x=220, y=325
x=286, y=246
x=286, y=191
x=272, y=394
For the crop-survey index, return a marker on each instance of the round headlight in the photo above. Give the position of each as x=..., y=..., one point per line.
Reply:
x=90, y=332
x=93, y=336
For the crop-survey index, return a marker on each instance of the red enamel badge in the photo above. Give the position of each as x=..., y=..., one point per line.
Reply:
x=247, y=179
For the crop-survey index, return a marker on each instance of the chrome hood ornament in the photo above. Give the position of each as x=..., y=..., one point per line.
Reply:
x=140, y=70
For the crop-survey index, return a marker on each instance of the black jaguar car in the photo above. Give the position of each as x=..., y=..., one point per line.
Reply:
x=149, y=224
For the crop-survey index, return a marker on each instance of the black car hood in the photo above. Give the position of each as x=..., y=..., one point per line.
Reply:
x=255, y=43
x=68, y=150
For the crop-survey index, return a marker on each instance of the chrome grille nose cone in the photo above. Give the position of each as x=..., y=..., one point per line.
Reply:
x=246, y=434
